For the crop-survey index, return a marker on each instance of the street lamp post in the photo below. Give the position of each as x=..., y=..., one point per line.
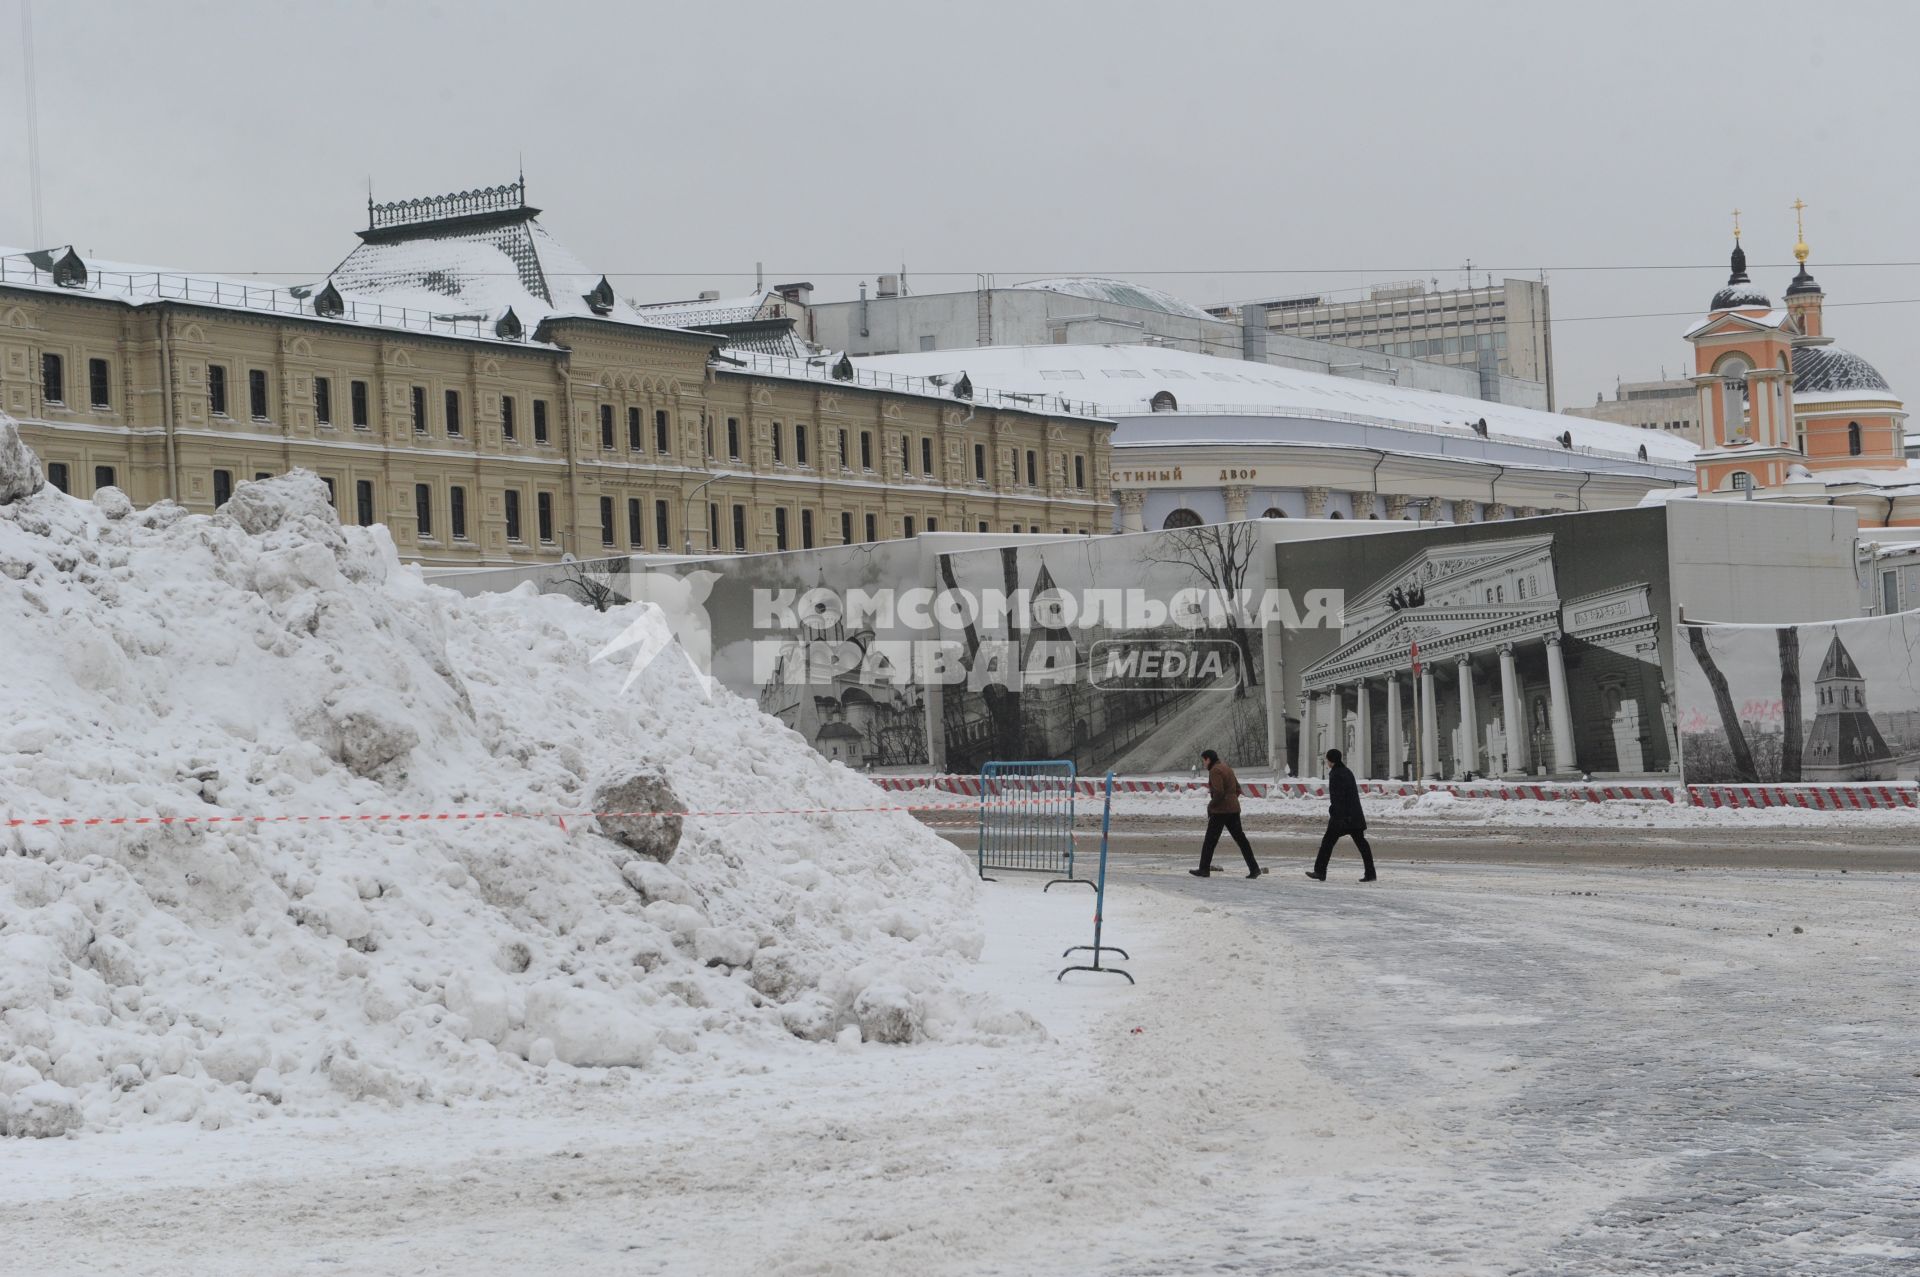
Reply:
x=686, y=521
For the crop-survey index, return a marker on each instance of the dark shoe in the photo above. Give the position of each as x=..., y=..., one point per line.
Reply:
x=1255, y=873
x=1371, y=878
x=1316, y=877
x=1198, y=873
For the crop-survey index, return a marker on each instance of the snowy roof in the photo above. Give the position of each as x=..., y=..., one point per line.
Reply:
x=483, y=268
x=1740, y=297
x=1120, y=292
x=700, y=312
x=134, y=284
x=1122, y=381
x=1772, y=319
x=458, y=285
x=1833, y=369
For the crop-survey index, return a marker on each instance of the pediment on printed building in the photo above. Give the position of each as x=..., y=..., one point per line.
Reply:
x=1442, y=633
x=1446, y=562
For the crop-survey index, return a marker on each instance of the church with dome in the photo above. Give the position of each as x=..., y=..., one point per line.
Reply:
x=1788, y=414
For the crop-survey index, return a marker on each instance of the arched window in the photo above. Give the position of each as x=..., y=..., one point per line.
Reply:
x=1734, y=369
x=1182, y=518
x=1336, y=515
x=1164, y=402
x=1853, y=438
x=1274, y=512
x=1740, y=481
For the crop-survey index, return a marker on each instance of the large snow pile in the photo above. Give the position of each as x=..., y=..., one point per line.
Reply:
x=265, y=661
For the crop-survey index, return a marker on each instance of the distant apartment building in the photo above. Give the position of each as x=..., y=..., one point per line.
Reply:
x=1671, y=406
x=1097, y=311
x=1501, y=332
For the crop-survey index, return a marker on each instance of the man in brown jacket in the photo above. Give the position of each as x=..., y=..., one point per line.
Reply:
x=1223, y=812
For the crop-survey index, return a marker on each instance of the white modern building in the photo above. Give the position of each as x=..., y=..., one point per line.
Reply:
x=1671, y=405
x=1206, y=440
x=1095, y=311
x=1502, y=332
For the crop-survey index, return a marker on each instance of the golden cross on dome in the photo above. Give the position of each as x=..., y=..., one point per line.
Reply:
x=1800, y=249
x=1736, y=223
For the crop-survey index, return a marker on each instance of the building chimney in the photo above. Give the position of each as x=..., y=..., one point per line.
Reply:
x=887, y=286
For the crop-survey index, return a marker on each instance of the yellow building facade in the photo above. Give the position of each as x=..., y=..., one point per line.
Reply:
x=484, y=434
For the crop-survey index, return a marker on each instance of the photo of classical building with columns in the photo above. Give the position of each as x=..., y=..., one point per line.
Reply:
x=1541, y=652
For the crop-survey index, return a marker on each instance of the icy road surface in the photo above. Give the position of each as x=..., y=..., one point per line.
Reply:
x=1467, y=1069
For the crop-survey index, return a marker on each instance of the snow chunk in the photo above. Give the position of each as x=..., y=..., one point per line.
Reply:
x=652, y=836
x=20, y=473
x=40, y=1111
x=587, y=1027
x=112, y=502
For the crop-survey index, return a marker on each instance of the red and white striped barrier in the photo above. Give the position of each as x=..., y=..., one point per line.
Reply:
x=1862, y=797
x=1874, y=796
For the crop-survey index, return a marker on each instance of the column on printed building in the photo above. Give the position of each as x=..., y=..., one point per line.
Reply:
x=1468, y=749
x=1578, y=683
x=1132, y=503
x=1236, y=497
x=1396, y=740
x=1362, y=761
x=1303, y=764
x=1513, y=721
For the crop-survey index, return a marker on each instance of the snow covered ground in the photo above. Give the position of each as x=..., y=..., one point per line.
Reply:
x=1464, y=1070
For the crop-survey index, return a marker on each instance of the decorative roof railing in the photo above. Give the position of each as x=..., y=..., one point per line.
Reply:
x=279, y=299
x=507, y=198
x=822, y=368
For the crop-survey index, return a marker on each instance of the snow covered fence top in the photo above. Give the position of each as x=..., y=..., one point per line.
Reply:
x=1837, y=797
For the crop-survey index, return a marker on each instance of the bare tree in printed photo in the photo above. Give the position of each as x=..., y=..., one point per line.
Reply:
x=1220, y=554
x=594, y=583
x=1740, y=755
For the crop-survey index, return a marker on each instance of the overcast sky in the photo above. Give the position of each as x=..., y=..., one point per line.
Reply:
x=1221, y=151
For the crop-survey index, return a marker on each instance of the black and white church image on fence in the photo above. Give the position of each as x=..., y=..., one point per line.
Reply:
x=1542, y=645
x=1762, y=704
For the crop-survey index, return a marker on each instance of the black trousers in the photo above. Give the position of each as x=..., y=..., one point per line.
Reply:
x=1334, y=834
x=1229, y=821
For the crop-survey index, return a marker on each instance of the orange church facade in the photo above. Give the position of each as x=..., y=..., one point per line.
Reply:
x=1782, y=406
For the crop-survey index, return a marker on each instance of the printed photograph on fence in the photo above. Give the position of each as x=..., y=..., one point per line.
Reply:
x=843, y=677
x=1543, y=647
x=1761, y=704
x=1130, y=656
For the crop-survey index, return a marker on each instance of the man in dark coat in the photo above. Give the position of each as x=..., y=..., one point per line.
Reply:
x=1223, y=812
x=1344, y=819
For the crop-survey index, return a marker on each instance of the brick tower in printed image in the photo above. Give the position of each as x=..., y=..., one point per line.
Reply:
x=1845, y=743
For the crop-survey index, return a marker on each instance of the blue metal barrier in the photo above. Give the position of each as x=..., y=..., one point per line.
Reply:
x=1100, y=903
x=1026, y=818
